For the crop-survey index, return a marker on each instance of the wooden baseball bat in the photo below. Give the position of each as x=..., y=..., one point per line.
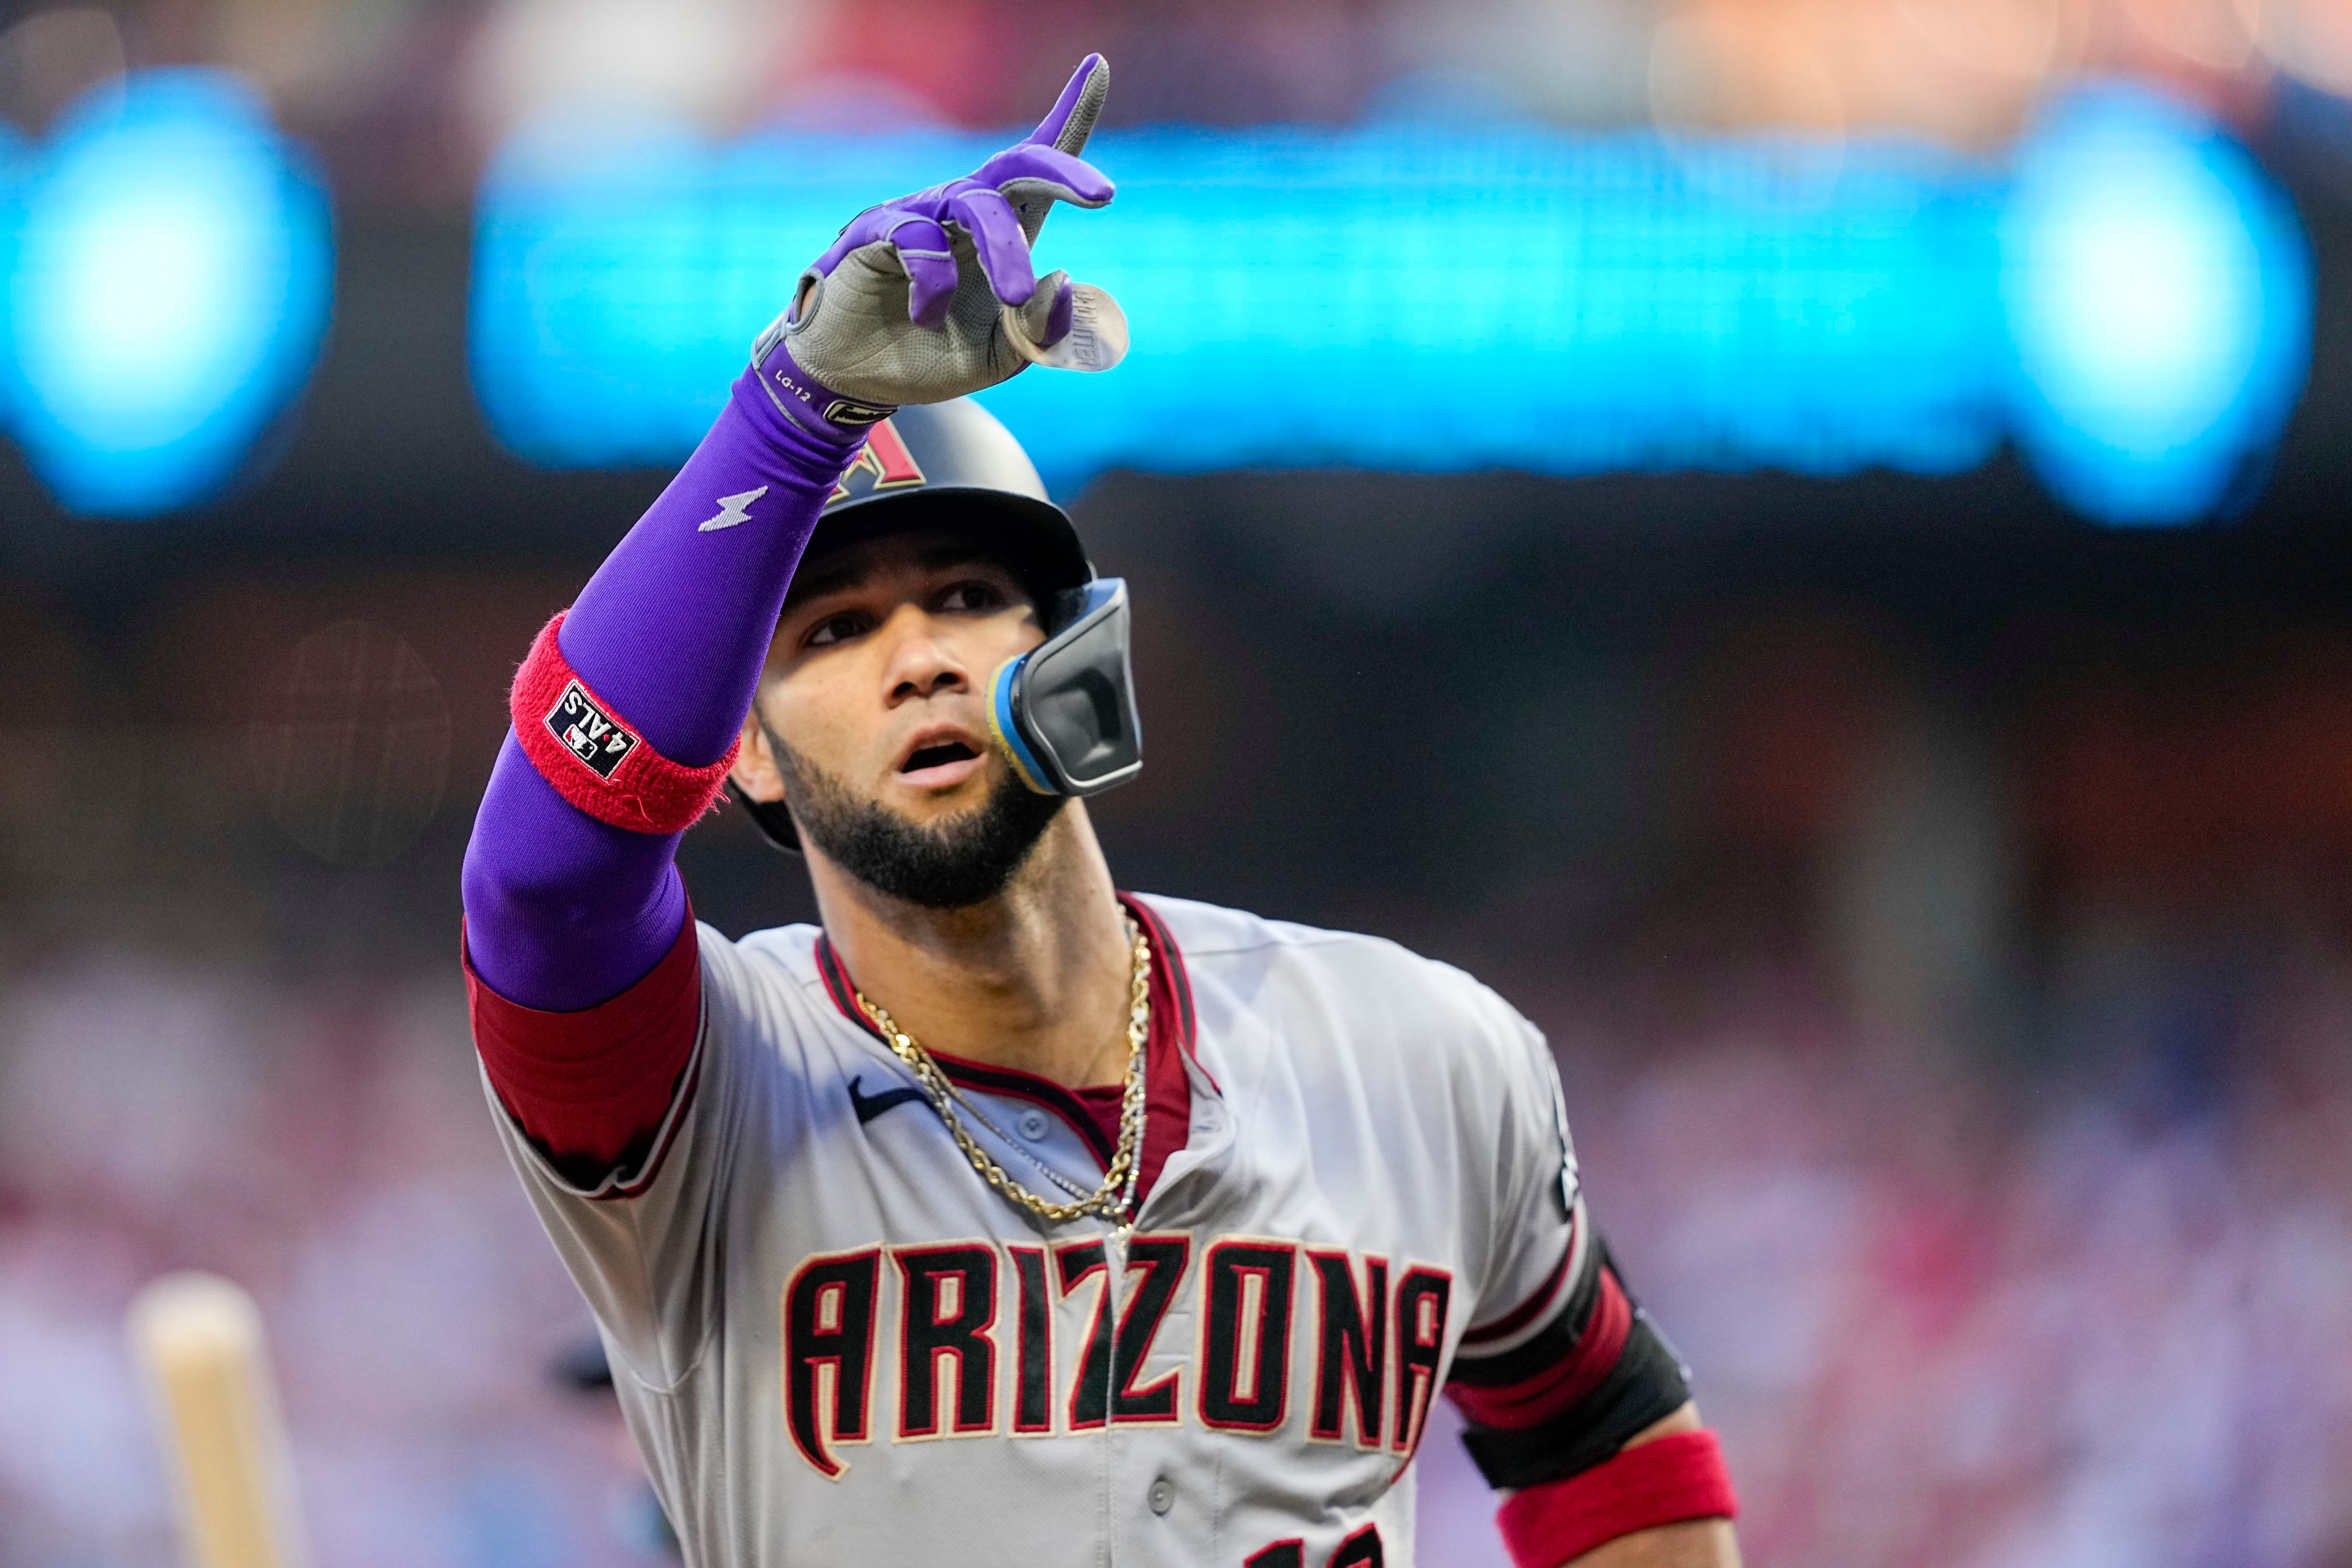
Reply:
x=199, y=1339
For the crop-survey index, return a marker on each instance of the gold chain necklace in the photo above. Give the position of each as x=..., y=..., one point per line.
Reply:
x=1115, y=1199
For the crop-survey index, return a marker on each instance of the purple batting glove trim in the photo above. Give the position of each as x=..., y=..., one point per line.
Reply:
x=1058, y=320
x=1065, y=130
x=562, y=911
x=1057, y=119
x=996, y=234
x=924, y=250
x=1063, y=175
x=979, y=206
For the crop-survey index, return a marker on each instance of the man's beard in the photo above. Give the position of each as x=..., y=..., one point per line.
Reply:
x=951, y=865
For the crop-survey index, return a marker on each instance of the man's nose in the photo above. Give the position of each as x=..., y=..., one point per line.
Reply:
x=921, y=662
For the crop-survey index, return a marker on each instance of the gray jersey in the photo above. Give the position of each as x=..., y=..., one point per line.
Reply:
x=834, y=1343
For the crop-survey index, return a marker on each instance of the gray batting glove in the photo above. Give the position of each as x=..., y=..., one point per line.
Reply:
x=932, y=296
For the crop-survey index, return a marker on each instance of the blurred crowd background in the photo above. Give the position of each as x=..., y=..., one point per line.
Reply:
x=406, y=97
x=1934, y=886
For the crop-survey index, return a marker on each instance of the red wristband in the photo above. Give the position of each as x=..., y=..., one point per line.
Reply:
x=1663, y=1482
x=581, y=746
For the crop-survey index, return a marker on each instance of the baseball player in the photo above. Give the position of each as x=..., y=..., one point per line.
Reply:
x=1005, y=1217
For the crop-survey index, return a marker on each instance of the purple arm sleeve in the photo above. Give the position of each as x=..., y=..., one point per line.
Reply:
x=564, y=912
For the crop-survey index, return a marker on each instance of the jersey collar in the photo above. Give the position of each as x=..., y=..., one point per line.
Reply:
x=1166, y=1050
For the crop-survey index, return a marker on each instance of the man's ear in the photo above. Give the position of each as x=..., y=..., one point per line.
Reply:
x=755, y=772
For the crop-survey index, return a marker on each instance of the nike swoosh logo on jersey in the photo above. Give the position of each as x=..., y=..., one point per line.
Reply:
x=869, y=1106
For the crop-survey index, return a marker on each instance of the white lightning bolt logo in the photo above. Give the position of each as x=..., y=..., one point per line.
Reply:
x=733, y=510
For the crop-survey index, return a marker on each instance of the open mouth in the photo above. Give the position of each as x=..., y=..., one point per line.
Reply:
x=937, y=756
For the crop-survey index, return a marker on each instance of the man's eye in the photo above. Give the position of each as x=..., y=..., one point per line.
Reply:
x=834, y=629
x=970, y=596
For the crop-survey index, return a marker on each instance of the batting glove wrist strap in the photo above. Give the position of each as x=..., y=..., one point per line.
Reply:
x=812, y=408
x=594, y=758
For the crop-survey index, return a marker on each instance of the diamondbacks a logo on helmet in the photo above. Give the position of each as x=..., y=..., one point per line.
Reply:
x=588, y=732
x=883, y=463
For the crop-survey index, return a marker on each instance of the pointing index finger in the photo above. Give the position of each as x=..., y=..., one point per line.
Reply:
x=1071, y=119
x=1053, y=174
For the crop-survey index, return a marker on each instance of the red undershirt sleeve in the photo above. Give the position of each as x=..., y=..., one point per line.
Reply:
x=592, y=1089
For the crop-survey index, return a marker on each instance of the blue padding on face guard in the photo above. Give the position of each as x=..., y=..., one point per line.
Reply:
x=1064, y=711
x=1007, y=729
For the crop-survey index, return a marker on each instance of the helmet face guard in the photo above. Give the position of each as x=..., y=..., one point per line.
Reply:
x=1064, y=711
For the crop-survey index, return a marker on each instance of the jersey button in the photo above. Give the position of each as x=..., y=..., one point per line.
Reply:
x=1163, y=1495
x=1033, y=1124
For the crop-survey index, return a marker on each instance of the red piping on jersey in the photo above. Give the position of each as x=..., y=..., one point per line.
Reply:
x=1538, y=1398
x=1520, y=1316
x=1179, y=982
x=1062, y=1100
x=1168, y=968
x=664, y=1135
x=1168, y=1094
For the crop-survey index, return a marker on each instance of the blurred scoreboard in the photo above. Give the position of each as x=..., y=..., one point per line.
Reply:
x=2125, y=297
x=2128, y=298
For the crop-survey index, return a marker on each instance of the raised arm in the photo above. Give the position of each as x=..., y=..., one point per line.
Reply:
x=565, y=908
x=628, y=709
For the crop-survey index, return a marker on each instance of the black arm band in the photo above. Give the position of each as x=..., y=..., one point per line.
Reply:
x=1553, y=1343
x=1647, y=1384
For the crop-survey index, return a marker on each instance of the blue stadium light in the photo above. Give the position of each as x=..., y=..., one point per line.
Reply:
x=1463, y=297
x=171, y=276
x=15, y=164
x=2160, y=297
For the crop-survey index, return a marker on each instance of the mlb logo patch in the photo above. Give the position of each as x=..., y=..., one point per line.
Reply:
x=588, y=732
